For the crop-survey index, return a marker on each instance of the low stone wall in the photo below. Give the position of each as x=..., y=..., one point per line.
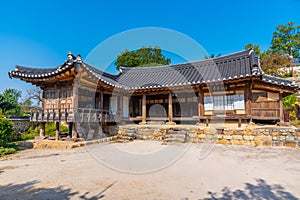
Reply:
x=268, y=136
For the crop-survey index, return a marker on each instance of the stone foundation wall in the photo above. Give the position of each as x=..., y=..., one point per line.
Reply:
x=281, y=136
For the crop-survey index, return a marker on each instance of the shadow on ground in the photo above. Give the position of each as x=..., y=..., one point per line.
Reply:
x=259, y=191
x=29, y=191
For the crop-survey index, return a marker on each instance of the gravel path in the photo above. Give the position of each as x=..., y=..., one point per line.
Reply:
x=133, y=171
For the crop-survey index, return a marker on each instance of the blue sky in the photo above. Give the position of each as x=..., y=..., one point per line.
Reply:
x=40, y=33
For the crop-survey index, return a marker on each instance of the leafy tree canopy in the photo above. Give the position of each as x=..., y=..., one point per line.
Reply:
x=9, y=102
x=286, y=39
x=145, y=56
x=285, y=42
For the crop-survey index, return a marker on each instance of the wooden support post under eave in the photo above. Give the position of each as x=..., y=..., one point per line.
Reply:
x=101, y=101
x=248, y=98
x=74, y=131
x=144, y=110
x=170, y=108
x=57, y=130
x=70, y=126
x=120, y=106
x=281, y=108
x=42, y=129
x=200, y=103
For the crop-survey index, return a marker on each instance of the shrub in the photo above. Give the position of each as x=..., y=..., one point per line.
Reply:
x=6, y=131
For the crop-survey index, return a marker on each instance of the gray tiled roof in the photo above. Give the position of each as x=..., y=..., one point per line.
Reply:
x=235, y=66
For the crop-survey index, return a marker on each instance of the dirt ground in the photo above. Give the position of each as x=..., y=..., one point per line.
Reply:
x=149, y=170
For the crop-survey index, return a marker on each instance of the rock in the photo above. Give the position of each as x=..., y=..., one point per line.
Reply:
x=256, y=143
x=248, y=137
x=267, y=143
x=201, y=136
x=245, y=142
x=227, y=137
x=292, y=144
x=275, y=133
x=290, y=137
x=236, y=142
x=228, y=132
x=223, y=141
x=277, y=143
x=237, y=137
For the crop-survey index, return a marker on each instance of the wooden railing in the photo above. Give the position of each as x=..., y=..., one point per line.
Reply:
x=72, y=115
x=265, y=110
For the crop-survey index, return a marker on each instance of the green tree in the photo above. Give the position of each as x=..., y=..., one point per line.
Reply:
x=145, y=56
x=9, y=102
x=255, y=47
x=212, y=56
x=6, y=131
x=286, y=39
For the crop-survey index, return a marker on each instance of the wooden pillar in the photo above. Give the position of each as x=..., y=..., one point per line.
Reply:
x=57, y=130
x=120, y=106
x=170, y=108
x=42, y=129
x=75, y=94
x=74, y=131
x=70, y=126
x=144, y=110
x=200, y=103
x=281, y=117
x=248, y=98
x=101, y=101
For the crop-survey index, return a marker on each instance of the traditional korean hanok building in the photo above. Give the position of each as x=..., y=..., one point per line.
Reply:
x=231, y=87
